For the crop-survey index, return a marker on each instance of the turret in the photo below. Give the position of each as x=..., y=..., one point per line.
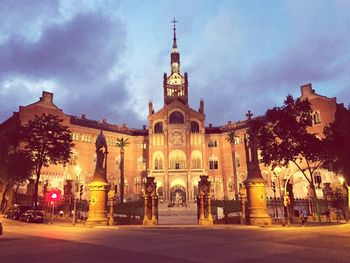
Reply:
x=150, y=108
x=175, y=86
x=201, y=106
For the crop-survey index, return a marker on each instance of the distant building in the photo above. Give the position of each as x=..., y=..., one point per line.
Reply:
x=176, y=148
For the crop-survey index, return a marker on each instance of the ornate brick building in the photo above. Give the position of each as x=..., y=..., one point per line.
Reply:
x=176, y=148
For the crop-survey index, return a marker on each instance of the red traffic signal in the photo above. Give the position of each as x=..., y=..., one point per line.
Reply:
x=53, y=195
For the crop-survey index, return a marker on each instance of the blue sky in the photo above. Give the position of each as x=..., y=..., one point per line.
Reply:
x=106, y=58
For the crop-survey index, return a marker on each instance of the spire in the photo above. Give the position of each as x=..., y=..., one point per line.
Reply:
x=174, y=39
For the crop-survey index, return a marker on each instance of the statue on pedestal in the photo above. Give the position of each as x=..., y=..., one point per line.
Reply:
x=255, y=183
x=99, y=186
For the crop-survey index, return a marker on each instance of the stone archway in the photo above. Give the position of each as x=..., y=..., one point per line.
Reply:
x=178, y=195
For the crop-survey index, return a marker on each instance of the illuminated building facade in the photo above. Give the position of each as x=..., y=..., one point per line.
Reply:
x=176, y=148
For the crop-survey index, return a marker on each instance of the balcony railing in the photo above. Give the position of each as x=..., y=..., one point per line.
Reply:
x=197, y=170
x=177, y=171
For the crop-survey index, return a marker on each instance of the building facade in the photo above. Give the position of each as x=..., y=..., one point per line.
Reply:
x=176, y=148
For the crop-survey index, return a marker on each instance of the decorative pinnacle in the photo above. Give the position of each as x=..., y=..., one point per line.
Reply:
x=174, y=21
x=249, y=115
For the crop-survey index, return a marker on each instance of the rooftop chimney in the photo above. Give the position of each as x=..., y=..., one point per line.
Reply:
x=306, y=90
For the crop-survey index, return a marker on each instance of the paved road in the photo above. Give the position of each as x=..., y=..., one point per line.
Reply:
x=24, y=242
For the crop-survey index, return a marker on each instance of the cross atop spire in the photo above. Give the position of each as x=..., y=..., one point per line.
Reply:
x=249, y=115
x=174, y=21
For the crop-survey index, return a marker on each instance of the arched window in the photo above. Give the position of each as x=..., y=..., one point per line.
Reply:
x=238, y=161
x=137, y=183
x=194, y=127
x=316, y=117
x=176, y=118
x=196, y=162
x=117, y=162
x=177, y=160
x=141, y=163
x=74, y=158
x=158, y=163
x=158, y=128
x=213, y=163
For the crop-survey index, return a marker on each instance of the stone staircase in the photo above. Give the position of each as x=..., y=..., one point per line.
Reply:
x=177, y=215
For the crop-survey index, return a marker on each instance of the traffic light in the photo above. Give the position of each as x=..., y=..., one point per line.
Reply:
x=81, y=190
x=286, y=200
x=273, y=187
x=54, y=195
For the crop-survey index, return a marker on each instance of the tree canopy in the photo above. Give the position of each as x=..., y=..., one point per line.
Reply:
x=48, y=142
x=15, y=168
x=284, y=139
x=338, y=134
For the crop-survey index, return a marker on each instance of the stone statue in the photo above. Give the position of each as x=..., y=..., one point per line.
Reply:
x=99, y=186
x=101, y=151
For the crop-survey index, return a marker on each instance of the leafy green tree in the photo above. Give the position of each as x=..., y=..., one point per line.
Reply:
x=122, y=143
x=230, y=138
x=48, y=142
x=338, y=135
x=15, y=168
x=284, y=140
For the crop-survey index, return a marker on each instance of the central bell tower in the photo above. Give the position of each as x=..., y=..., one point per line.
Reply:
x=175, y=86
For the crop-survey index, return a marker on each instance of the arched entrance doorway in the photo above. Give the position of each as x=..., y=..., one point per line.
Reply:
x=178, y=195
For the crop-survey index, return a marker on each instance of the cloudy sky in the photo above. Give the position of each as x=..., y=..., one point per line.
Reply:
x=106, y=58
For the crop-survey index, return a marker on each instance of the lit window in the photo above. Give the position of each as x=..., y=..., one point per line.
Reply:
x=196, y=162
x=316, y=117
x=213, y=165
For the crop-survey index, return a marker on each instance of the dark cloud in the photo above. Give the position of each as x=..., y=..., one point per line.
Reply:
x=78, y=57
x=81, y=49
x=229, y=94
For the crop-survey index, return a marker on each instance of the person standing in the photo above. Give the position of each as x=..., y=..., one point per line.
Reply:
x=302, y=218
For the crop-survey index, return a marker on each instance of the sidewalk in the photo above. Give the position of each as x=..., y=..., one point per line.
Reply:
x=67, y=222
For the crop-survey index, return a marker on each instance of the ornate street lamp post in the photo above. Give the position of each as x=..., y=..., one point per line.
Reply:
x=77, y=170
x=277, y=171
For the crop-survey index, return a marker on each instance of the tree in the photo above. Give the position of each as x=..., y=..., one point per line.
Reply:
x=284, y=140
x=231, y=137
x=16, y=168
x=48, y=142
x=122, y=143
x=338, y=135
